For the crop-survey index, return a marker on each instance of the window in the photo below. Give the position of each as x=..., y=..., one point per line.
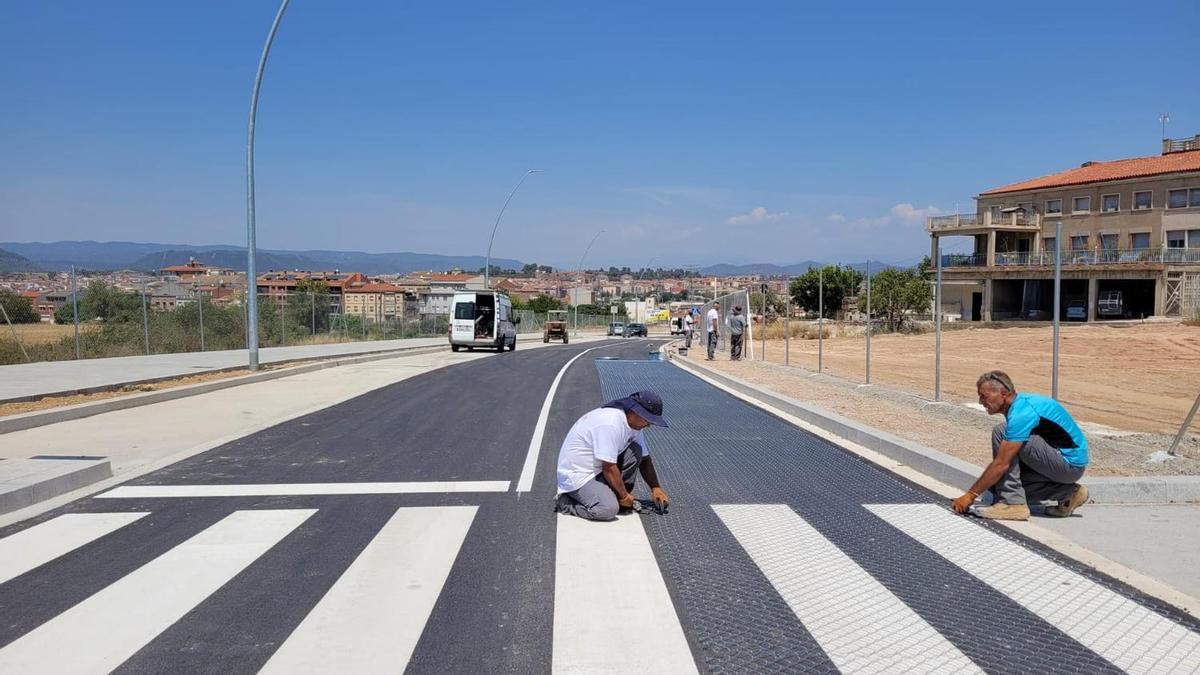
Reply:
x=1139, y=241
x=1111, y=203
x=1048, y=244
x=465, y=310
x=1079, y=242
x=1177, y=239
x=1142, y=200
x=1194, y=200
x=1053, y=206
x=1177, y=199
x=1081, y=205
x=995, y=212
x=1108, y=242
x=1194, y=239
x=1027, y=207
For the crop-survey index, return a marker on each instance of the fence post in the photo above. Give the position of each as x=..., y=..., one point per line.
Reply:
x=75, y=309
x=145, y=318
x=937, y=318
x=201, y=301
x=1057, y=300
x=868, y=320
x=1183, y=429
x=820, y=319
x=313, y=300
x=787, y=328
x=283, y=321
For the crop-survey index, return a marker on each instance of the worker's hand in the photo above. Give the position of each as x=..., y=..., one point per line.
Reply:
x=626, y=502
x=964, y=502
x=661, y=501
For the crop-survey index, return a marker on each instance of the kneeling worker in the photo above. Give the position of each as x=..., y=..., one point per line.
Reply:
x=602, y=455
x=1038, y=453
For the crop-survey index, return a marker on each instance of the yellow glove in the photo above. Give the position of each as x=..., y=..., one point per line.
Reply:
x=660, y=498
x=626, y=502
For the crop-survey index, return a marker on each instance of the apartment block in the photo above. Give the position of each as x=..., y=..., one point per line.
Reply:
x=1130, y=242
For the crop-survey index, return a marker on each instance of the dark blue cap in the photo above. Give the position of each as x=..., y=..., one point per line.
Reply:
x=646, y=404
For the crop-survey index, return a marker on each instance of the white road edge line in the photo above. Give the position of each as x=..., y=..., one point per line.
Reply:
x=861, y=625
x=46, y=541
x=288, y=489
x=101, y=632
x=612, y=611
x=525, y=482
x=372, y=617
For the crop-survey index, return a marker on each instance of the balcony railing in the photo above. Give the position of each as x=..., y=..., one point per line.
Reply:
x=1136, y=256
x=975, y=221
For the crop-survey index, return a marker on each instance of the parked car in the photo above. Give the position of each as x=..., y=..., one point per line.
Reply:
x=616, y=328
x=636, y=330
x=1076, y=311
x=1111, y=304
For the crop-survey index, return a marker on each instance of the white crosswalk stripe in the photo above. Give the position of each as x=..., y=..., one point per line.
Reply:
x=861, y=625
x=1119, y=629
x=44, y=542
x=606, y=578
x=99, y=633
x=373, y=616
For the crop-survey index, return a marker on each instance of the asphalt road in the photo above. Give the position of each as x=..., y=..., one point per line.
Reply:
x=781, y=553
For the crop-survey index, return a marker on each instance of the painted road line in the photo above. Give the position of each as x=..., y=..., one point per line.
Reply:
x=302, y=489
x=612, y=612
x=42, y=543
x=373, y=616
x=525, y=482
x=859, y=623
x=98, y=634
x=1117, y=628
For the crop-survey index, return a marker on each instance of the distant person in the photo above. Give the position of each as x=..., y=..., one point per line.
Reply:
x=737, y=328
x=711, y=319
x=689, y=326
x=602, y=455
x=1038, y=453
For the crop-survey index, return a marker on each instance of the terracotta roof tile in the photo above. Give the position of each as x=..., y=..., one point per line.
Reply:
x=1095, y=172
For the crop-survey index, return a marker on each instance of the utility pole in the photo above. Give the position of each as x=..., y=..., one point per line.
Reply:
x=75, y=309
x=145, y=318
x=820, y=319
x=868, y=320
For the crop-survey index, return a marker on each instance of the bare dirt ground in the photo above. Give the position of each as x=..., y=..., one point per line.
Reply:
x=1130, y=386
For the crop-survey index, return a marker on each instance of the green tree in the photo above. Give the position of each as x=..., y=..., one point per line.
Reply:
x=840, y=282
x=897, y=292
x=308, y=307
x=103, y=301
x=776, y=304
x=544, y=303
x=19, y=309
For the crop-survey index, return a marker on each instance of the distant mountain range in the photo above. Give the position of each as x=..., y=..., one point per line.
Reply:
x=114, y=255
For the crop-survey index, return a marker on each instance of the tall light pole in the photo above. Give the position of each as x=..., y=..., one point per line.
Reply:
x=584, y=274
x=487, y=267
x=251, y=274
x=642, y=274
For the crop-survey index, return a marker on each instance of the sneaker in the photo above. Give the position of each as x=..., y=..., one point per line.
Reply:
x=1003, y=511
x=1068, y=507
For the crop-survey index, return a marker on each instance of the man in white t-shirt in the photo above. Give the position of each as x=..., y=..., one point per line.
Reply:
x=602, y=455
x=710, y=328
x=689, y=326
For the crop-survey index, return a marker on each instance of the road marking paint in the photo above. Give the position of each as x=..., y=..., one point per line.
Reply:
x=302, y=489
x=525, y=482
x=98, y=634
x=371, y=619
x=1117, y=628
x=606, y=579
x=42, y=543
x=859, y=623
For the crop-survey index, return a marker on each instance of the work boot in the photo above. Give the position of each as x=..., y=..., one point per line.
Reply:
x=1068, y=507
x=1003, y=511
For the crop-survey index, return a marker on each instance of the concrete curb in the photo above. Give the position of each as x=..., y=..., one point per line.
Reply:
x=50, y=478
x=943, y=467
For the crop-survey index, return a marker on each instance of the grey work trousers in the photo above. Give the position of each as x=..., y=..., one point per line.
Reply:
x=1038, y=472
x=596, y=500
x=735, y=346
x=687, y=338
x=712, y=345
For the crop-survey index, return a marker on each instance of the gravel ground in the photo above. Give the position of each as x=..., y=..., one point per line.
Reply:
x=955, y=429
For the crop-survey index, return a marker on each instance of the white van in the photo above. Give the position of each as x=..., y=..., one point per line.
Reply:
x=482, y=319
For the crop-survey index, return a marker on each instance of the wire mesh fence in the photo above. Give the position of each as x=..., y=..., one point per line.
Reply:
x=727, y=303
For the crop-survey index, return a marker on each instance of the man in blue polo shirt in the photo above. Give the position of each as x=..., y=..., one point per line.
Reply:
x=1038, y=453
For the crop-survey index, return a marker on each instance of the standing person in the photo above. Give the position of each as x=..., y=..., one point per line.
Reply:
x=602, y=455
x=1038, y=453
x=737, y=328
x=689, y=326
x=710, y=328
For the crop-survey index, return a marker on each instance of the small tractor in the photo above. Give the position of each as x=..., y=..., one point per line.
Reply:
x=556, y=326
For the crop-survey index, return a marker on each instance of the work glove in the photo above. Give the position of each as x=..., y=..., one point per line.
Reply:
x=964, y=502
x=626, y=502
x=661, y=501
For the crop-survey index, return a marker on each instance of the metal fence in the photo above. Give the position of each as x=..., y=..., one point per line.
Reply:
x=728, y=302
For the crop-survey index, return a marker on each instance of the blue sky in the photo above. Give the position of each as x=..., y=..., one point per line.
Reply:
x=692, y=132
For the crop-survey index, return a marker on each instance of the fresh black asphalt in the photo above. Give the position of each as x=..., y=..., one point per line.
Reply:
x=473, y=421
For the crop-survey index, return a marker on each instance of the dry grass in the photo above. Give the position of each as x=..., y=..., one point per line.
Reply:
x=42, y=333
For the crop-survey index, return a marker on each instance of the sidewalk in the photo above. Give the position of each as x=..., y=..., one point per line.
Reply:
x=34, y=380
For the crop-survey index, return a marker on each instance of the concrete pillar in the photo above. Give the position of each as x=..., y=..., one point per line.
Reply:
x=1093, y=297
x=987, y=299
x=1160, y=294
x=933, y=263
x=991, y=253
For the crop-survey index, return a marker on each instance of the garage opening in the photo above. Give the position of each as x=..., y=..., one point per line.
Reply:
x=1124, y=298
x=1033, y=299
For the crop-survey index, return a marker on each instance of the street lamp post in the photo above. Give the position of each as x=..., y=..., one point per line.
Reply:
x=251, y=276
x=487, y=266
x=584, y=274
x=642, y=274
